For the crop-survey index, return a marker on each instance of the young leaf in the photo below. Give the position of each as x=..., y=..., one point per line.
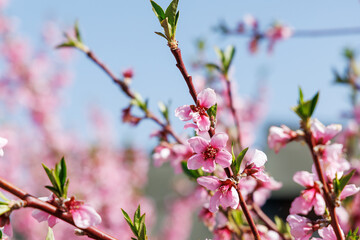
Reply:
x=313, y=103
x=77, y=31
x=159, y=12
x=239, y=159
x=161, y=34
x=128, y=220
x=50, y=234
x=170, y=12
x=192, y=174
x=167, y=28
x=137, y=218
x=345, y=179
x=228, y=55
x=51, y=176
x=212, y=111
x=62, y=173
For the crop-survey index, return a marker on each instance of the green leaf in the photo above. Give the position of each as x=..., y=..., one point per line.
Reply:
x=167, y=29
x=52, y=178
x=142, y=227
x=239, y=160
x=128, y=220
x=220, y=55
x=228, y=57
x=54, y=190
x=353, y=235
x=282, y=226
x=345, y=179
x=192, y=174
x=313, y=103
x=237, y=216
x=2, y=196
x=1, y=234
x=50, y=234
x=213, y=66
x=137, y=218
x=67, y=44
x=161, y=34
x=170, y=12
x=4, y=209
x=212, y=111
x=159, y=12
x=164, y=110
x=349, y=53
x=77, y=31
x=62, y=173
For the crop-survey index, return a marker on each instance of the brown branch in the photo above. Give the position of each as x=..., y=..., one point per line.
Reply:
x=125, y=88
x=188, y=79
x=325, y=187
x=268, y=222
x=233, y=112
x=33, y=202
x=248, y=216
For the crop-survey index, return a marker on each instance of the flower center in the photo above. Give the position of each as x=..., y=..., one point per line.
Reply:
x=210, y=152
x=200, y=110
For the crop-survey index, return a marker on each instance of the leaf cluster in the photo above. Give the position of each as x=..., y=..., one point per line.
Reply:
x=4, y=204
x=137, y=226
x=58, y=179
x=75, y=42
x=225, y=57
x=305, y=109
x=353, y=235
x=282, y=226
x=168, y=19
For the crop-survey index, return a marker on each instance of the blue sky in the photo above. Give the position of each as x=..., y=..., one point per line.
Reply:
x=121, y=33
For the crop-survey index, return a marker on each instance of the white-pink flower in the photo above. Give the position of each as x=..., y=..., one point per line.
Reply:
x=41, y=216
x=327, y=233
x=3, y=142
x=84, y=215
x=255, y=166
x=310, y=197
x=206, y=98
x=207, y=153
x=322, y=134
x=300, y=227
x=279, y=137
x=225, y=192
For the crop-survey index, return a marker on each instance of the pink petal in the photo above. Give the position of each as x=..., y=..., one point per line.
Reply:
x=209, y=165
x=198, y=144
x=207, y=98
x=319, y=204
x=328, y=233
x=203, y=123
x=349, y=190
x=230, y=199
x=214, y=202
x=190, y=125
x=331, y=131
x=8, y=230
x=259, y=158
x=300, y=206
x=183, y=112
x=224, y=158
x=300, y=228
x=304, y=178
x=262, y=176
x=210, y=182
x=52, y=221
x=219, y=140
x=196, y=161
x=40, y=216
x=85, y=217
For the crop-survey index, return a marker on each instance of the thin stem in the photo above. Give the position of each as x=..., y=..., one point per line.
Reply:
x=188, y=79
x=326, y=192
x=125, y=88
x=248, y=216
x=233, y=112
x=268, y=222
x=33, y=202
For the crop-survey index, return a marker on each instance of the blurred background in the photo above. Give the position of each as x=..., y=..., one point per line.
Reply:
x=121, y=33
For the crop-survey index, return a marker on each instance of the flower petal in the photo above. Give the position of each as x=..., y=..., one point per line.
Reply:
x=203, y=123
x=224, y=158
x=230, y=199
x=215, y=201
x=304, y=178
x=209, y=165
x=198, y=144
x=219, y=140
x=85, y=217
x=183, y=112
x=259, y=158
x=349, y=190
x=207, y=98
x=210, y=182
x=196, y=161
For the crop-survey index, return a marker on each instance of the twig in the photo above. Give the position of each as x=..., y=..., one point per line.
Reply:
x=33, y=202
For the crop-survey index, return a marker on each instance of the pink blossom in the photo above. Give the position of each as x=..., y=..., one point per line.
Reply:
x=223, y=233
x=327, y=233
x=206, y=98
x=84, y=216
x=300, y=227
x=264, y=189
x=209, y=152
x=255, y=166
x=276, y=33
x=279, y=137
x=310, y=197
x=322, y=134
x=3, y=142
x=349, y=190
x=41, y=216
x=161, y=155
x=207, y=217
x=225, y=192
